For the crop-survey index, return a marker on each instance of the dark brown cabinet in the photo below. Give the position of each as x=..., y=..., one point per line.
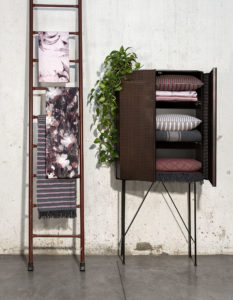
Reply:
x=136, y=122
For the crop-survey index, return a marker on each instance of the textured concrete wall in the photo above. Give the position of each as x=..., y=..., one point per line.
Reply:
x=166, y=34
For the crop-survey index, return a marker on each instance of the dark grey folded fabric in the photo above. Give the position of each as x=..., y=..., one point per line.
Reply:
x=179, y=176
x=178, y=136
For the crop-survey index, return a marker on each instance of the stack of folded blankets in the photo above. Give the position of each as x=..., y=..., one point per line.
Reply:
x=177, y=127
x=58, y=130
x=176, y=96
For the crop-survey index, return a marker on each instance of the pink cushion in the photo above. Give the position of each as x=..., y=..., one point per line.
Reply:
x=177, y=83
x=177, y=164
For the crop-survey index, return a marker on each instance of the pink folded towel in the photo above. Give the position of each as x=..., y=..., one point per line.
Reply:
x=175, y=98
x=177, y=93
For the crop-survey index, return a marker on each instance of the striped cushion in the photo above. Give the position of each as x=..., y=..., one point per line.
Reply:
x=177, y=83
x=178, y=164
x=175, y=122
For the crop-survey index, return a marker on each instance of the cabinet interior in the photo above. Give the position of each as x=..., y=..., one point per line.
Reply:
x=181, y=149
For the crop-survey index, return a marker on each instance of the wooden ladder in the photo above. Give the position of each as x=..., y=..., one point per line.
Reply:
x=78, y=62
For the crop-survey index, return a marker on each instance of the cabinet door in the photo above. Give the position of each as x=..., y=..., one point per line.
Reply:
x=136, y=126
x=212, y=125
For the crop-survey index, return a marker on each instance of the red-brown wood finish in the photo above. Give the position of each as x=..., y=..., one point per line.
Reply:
x=55, y=5
x=31, y=145
x=82, y=249
x=70, y=33
x=30, y=196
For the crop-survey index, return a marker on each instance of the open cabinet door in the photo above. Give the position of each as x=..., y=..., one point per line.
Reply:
x=136, y=125
x=212, y=125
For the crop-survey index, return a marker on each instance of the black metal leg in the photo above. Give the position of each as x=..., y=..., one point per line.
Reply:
x=189, y=221
x=123, y=221
x=195, y=225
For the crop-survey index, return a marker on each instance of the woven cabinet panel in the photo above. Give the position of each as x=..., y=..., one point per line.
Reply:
x=205, y=125
x=137, y=127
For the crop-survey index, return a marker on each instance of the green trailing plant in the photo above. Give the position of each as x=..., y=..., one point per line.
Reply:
x=116, y=66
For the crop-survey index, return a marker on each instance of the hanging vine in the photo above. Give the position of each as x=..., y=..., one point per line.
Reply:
x=116, y=66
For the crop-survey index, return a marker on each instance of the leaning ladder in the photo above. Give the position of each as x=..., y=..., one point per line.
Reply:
x=32, y=88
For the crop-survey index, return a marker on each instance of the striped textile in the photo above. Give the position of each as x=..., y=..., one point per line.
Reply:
x=178, y=136
x=178, y=83
x=176, y=122
x=56, y=198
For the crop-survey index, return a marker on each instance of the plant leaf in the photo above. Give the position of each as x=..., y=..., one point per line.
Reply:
x=117, y=65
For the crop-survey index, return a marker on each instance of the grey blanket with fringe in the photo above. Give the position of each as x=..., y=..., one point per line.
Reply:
x=56, y=198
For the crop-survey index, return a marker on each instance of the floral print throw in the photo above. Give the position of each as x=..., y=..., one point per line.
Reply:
x=62, y=132
x=53, y=54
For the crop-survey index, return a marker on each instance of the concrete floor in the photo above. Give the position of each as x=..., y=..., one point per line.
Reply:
x=143, y=277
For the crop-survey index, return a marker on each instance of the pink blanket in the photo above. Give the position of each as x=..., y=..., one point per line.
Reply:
x=176, y=93
x=53, y=55
x=175, y=98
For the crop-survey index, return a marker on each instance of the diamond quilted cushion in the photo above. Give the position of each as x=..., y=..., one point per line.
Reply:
x=177, y=164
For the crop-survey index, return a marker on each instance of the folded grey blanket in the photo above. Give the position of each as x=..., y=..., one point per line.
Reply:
x=178, y=136
x=179, y=176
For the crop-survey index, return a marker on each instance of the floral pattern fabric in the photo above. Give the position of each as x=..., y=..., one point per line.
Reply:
x=53, y=54
x=62, y=132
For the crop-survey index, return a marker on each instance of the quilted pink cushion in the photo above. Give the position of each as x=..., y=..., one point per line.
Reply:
x=177, y=83
x=177, y=164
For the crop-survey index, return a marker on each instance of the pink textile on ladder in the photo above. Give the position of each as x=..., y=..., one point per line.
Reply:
x=53, y=56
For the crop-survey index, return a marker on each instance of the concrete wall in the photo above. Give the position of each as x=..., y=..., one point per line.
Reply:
x=165, y=34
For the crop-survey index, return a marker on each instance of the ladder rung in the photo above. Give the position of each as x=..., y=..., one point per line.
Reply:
x=74, y=60
x=34, y=146
x=34, y=175
x=57, y=235
x=35, y=117
x=71, y=60
x=39, y=88
x=55, y=5
x=70, y=33
x=35, y=205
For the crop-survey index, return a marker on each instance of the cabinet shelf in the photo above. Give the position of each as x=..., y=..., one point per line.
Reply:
x=177, y=104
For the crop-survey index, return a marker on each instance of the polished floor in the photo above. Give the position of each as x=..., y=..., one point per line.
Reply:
x=142, y=278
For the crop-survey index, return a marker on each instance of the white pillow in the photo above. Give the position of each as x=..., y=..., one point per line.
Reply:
x=174, y=122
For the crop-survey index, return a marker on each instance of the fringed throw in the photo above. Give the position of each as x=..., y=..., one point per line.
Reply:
x=62, y=132
x=56, y=198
